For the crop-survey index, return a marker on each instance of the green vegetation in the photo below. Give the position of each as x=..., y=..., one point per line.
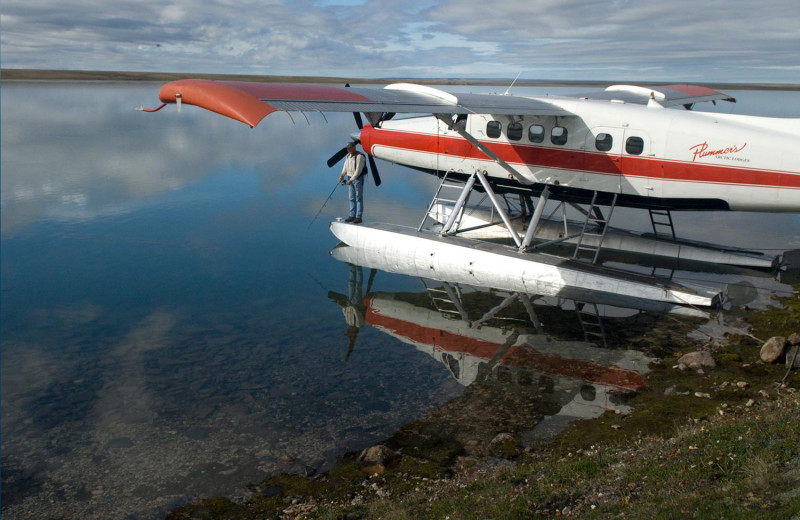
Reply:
x=742, y=465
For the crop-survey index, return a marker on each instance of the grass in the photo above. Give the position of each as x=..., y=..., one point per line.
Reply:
x=733, y=467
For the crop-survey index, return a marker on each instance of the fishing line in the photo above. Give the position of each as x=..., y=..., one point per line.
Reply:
x=324, y=204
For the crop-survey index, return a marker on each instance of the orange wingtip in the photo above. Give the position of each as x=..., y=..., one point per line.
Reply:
x=219, y=97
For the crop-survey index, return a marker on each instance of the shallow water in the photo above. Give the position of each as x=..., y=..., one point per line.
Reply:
x=173, y=319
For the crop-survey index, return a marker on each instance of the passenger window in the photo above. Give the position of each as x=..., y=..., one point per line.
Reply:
x=515, y=131
x=603, y=142
x=536, y=134
x=558, y=135
x=493, y=129
x=634, y=145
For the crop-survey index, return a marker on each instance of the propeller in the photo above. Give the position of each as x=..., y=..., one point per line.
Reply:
x=339, y=155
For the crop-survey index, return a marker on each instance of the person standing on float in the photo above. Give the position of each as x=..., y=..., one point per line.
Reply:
x=355, y=165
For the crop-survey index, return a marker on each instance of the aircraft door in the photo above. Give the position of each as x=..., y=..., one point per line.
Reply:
x=602, y=159
x=641, y=175
x=453, y=148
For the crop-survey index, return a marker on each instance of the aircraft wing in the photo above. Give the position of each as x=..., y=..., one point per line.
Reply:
x=664, y=95
x=251, y=102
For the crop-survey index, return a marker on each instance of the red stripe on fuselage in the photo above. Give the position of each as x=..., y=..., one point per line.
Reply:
x=568, y=159
x=518, y=356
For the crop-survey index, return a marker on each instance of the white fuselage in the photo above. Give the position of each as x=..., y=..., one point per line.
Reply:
x=649, y=155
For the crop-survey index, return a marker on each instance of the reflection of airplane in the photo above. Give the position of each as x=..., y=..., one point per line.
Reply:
x=559, y=338
x=619, y=147
x=468, y=343
x=483, y=335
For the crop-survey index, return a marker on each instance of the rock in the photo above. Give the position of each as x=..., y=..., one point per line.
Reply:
x=501, y=438
x=773, y=349
x=286, y=460
x=504, y=445
x=698, y=359
x=376, y=459
x=793, y=357
x=794, y=339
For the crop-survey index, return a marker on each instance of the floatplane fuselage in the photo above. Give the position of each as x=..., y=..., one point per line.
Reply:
x=625, y=146
x=651, y=157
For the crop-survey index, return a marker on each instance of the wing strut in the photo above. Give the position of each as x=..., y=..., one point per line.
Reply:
x=447, y=229
x=446, y=119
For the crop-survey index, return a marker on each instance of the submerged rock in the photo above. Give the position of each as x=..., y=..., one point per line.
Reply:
x=773, y=349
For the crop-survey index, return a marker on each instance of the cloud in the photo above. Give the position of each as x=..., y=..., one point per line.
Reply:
x=568, y=39
x=75, y=154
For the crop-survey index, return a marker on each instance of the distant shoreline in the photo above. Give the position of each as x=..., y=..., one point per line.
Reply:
x=97, y=75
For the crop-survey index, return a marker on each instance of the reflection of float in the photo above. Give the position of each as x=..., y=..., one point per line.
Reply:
x=481, y=335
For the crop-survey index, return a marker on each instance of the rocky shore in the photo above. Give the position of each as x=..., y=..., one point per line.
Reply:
x=716, y=433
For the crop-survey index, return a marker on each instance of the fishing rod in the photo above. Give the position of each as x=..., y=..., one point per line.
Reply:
x=324, y=203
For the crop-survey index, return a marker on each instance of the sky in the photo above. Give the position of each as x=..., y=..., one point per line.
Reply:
x=667, y=40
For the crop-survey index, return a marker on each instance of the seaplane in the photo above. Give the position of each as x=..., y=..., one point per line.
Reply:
x=625, y=146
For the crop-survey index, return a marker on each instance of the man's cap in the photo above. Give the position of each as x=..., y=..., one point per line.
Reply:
x=351, y=143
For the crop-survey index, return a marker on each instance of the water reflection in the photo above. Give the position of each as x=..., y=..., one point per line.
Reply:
x=164, y=330
x=592, y=348
x=168, y=325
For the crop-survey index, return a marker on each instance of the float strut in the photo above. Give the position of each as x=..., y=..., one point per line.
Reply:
x=498, y=207
x=462, y=199
x=534, y=223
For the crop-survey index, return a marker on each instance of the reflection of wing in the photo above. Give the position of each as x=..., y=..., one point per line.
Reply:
x=251, y=102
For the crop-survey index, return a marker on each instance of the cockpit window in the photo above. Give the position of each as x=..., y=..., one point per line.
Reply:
x=494, y=129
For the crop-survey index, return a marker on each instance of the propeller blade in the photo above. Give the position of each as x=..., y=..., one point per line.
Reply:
x=374, y=168
x=359, y=122
x=335, y=158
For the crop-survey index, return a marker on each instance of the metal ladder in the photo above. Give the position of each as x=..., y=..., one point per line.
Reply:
x=591, y=324
x=595, y=216
x=447, y=301
x=656, y=214
x=437, y=198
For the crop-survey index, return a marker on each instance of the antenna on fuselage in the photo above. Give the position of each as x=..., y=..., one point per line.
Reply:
x=508, y=90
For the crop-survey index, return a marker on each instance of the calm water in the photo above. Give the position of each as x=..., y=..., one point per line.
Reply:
x=172, y=320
